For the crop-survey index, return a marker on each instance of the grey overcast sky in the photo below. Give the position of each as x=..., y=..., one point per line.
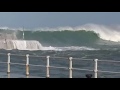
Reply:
x=55, y=19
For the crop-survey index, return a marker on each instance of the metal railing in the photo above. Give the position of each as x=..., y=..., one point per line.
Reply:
x=48, y=66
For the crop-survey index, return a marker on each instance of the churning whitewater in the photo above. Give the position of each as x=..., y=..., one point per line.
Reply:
x=85, y=37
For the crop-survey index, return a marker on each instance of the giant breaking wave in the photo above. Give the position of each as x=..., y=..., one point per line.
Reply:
x=87, y=36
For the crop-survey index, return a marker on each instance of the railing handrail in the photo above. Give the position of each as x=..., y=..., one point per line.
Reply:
x=48, y=66
x=81, y=59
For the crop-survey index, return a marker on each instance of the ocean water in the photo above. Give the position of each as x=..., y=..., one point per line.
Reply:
x=86, y=42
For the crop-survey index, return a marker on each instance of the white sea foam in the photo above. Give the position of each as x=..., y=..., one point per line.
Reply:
x=72, y=48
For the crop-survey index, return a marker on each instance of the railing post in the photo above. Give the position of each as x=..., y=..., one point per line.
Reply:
x=8, y=75
x=27, y=64
x=8, y=63
x=70, y=67
x=95, y=68
x=47, y=68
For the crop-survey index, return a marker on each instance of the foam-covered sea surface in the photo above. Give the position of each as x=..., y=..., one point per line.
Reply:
x=89, y=41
